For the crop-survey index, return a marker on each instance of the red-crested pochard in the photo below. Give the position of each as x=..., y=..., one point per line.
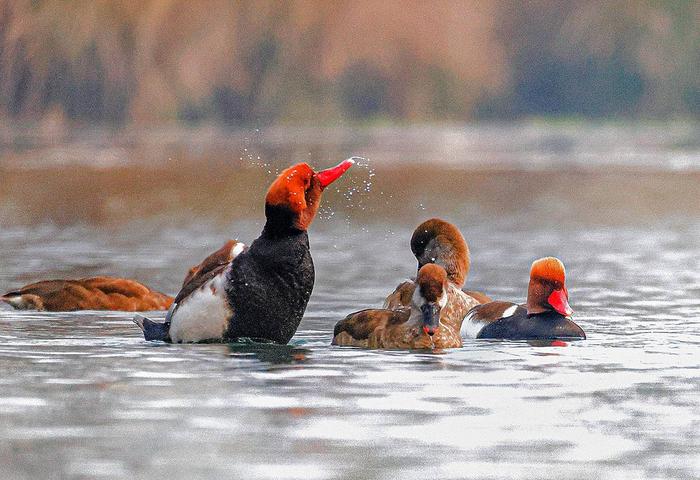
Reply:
x=431, y=320
x=262, y=292
x=96, y=293
x=440, y=242
x=544, y=316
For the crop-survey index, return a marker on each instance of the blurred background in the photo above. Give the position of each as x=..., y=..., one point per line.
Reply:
x=136, y=136
x=112, y=111
x=265, y=62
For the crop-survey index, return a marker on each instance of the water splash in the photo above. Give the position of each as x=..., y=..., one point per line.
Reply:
x=355, y=189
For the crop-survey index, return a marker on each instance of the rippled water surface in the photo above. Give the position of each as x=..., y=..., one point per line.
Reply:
x=83, y=396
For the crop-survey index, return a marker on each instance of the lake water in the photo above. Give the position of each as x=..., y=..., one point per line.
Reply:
x=82, y=395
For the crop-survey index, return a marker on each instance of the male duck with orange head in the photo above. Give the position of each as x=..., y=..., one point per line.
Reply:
x=259, y=292
x=544, y=316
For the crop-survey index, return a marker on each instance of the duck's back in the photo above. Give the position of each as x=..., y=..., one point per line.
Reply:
x=548, y=325
x=94, y=293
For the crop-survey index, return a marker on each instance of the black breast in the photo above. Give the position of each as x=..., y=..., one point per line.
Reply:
x=269, y=286
x=549, y=325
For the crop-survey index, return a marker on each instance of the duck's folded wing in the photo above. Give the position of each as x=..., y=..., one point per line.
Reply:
x=483, y=315
x=201, y=311
x=401, y=296
x=222, y=256
x=360, y=325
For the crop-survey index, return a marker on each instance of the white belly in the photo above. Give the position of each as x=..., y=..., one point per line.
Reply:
x=203, y=315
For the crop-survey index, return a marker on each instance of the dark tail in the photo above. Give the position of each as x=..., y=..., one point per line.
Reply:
x=153, y=330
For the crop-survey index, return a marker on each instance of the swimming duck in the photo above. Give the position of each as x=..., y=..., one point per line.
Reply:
x=544, y=316
x=439, y=242
x=262, y=291
x=95, y=293
x=431, y=320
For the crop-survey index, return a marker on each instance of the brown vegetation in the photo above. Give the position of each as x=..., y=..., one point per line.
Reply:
x=157, y=61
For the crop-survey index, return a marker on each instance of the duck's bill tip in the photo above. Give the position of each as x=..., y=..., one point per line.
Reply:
x=429, y=330
x=330, y=175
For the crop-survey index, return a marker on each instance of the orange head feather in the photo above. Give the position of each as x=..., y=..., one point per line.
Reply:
x=548, y=269
x=293, y=198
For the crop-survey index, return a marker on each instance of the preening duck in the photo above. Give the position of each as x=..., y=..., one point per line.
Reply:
x=440, y=242
x=95, y=293
x=259, y=292
x=430, y=321
x=544, y=316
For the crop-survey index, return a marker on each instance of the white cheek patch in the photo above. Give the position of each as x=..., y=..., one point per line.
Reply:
x=443, y=300
x=204, y=314
x=509, y=311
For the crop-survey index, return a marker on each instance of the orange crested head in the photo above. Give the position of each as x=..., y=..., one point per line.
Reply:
x=293, y=198
x=547, y=289
x=549, y=269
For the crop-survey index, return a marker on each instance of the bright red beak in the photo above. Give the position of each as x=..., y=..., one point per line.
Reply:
x=330, y=175
x=429, y=330
x=560, y=301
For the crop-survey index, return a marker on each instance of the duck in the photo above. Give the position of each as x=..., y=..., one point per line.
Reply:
x=93, y=293
x=545, y=315
x=440, y=242
x=259, y=292
x=428, y=322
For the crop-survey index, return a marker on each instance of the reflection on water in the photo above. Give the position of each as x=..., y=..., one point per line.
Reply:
x=83, y=396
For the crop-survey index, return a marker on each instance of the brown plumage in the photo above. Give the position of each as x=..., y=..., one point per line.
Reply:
x=478, y=296
x=96, y=293
x=405, y=328
x=210, y=267
x=439, y=242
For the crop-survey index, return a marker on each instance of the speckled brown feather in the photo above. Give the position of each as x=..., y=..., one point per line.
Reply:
x=401, y=296
x=478, y=296
x=96, y=293
x=388, y=328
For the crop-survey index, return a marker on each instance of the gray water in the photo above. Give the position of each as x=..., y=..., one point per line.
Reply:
x=82, y=395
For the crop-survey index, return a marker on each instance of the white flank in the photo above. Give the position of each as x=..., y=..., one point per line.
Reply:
x=203, y=315
x=237, y=249
x=471, y=327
